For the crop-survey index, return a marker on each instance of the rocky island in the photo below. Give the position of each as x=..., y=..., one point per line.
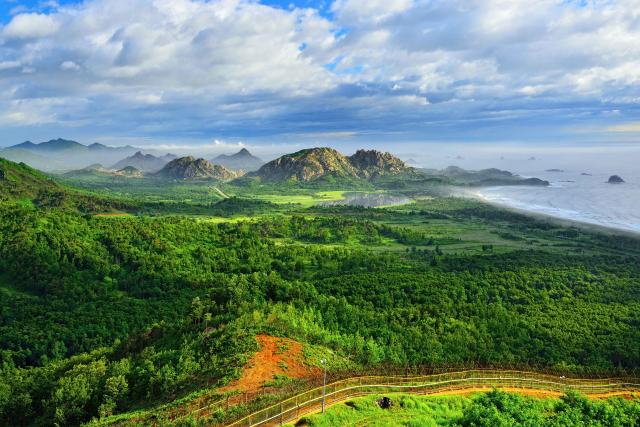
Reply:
x=615, y=179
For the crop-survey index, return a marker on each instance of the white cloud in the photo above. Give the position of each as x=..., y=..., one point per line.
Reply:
x=28, y=112
x=369, y=10
x=30, y=26
x=237, y=66
x=69, y=66
x=7, y=65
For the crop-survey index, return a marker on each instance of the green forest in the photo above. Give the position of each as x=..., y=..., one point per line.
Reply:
x=112, y=304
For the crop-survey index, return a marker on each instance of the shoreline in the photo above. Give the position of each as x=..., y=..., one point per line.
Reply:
x=591, y=226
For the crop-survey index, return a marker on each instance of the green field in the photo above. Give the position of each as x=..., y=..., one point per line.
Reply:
x=304, y=200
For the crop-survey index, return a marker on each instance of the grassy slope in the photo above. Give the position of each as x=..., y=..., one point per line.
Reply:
x=491, y=409
x=406, y=411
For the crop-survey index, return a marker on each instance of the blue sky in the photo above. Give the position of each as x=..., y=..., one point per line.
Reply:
x=10, y=8
x=341, y=72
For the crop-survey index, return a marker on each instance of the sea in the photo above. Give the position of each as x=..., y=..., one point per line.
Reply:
x=578, y=174
x=576, y=195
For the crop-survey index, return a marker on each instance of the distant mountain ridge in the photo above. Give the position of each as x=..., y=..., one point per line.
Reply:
x=51, y=145
x=487, y=177
x=64, y=154
x=99, y=171
x=315, y=163
x=242, y=160
x=191, y=168
x=60, y=144
x=144, y=162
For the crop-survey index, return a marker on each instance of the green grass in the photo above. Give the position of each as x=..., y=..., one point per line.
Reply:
x=406, y=411
x=304, y=200
x=222, y=219
x=494, y=408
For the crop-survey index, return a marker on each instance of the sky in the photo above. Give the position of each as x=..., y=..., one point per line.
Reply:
x=170, y=73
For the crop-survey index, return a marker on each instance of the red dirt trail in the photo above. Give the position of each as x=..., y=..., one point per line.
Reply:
x=277, y=356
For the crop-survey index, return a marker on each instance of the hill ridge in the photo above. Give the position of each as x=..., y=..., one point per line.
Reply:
x=189, y=167
x=315, y=163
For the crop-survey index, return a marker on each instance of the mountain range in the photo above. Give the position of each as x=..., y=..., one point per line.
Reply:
x=302, y=166
x=242, y=160
x=64, y=154
x=65, y=145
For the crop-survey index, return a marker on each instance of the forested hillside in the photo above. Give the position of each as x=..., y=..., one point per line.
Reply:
x=26, y=186
x=100, y=315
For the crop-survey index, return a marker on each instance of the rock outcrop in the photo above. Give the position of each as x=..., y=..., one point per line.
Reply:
x=192, y=168
x=315, y=163
x=615, y=179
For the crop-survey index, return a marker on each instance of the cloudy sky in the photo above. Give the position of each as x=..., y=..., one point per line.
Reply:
x=316, y=72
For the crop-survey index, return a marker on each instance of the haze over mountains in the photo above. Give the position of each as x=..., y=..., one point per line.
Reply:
x=242, y=160
x=307, y=165
x=145, y=162
x=63, y=154
x=67, y=155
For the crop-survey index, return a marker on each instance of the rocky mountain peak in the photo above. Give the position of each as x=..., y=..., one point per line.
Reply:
x=191, y=168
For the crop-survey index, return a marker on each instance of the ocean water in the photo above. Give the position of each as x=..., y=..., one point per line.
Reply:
x=577, y=197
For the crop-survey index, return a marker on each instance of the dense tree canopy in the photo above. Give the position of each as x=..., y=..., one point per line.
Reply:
x=101, y=314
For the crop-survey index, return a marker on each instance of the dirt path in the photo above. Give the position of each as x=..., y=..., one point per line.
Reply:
x=277, y=356
x=219, y=191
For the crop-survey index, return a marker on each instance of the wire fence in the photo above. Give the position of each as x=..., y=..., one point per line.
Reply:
x=336, y=391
